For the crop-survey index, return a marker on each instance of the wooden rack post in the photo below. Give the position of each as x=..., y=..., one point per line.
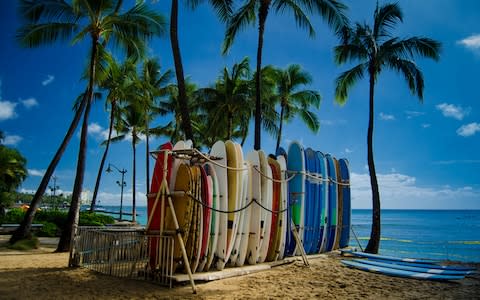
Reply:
x=299, y=243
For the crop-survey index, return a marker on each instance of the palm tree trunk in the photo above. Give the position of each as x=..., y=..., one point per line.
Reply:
x=280, y=126
x=104, y=157
x=23, y=231
x=66, y=239
x=134, y=208
x=374, y=242
x=229, y=125
x=262, y=18
x=147, y=152
x=177, y=58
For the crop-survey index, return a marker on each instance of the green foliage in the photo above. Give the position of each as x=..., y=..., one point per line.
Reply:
x=13, y=216
x=48, y=230
x=94, y=219
x=56, y=217
x=26, y=244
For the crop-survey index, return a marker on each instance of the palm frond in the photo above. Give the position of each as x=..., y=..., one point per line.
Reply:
x=310, y=119
x=408, y=48
x=413, y=75
x=241, y=19
x=346, y=80
x=385, y=18
x=301, y=18
x=334, y=13
x=34, y=11
x=34, y=35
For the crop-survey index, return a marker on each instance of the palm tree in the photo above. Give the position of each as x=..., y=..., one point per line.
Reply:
x=52, y=20
x=228, y=102
x=293, y=101
x=117, y=83
x=331, y=10
x=131, y=124
x=376, y=49
x=223, y=9
x=153, y=85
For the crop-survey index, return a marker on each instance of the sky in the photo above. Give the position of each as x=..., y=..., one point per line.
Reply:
x=426, y=154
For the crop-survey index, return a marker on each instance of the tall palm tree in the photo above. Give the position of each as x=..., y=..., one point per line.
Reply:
x=153, y=85
x=223, y=9
x=131, y=124
x=377, y=49
x=51, y=20
x=228, y=102
x=117, y=83
x=293, y=101
x=331, y=10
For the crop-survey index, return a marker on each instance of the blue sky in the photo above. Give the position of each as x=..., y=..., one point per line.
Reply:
x=426, y=154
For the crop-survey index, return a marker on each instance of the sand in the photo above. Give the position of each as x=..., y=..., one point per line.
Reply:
x=42, y=274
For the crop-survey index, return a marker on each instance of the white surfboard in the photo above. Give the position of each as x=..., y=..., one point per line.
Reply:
x=283, y=205
x=215, y=216
x=255, y=185
x=247, y=194
x=241, y=203
x=267, y=191
x=218, y=150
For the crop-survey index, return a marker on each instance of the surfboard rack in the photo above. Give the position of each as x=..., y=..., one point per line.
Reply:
x=299, y=244
x=164, y=192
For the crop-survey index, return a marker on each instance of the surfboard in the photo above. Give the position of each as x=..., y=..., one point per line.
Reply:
x=332, y=203
x=390, y=258
x=153, y=205
x=215, y=216
x=183, y=207
x=422, y=268
x=206, y=187
x=255, y=216
x=312, y=207
x=218, y=150
x=400, y=273
x=338, y=231
x=194, y=242
x=282, y=223
x=241, y=230
x=243, y=249
x=233, y=184
x=296, y=191
x=347, y=206
x=272, y=252
x=180, y=145
x=323, y=190
x=430, y=266
x=267, y=191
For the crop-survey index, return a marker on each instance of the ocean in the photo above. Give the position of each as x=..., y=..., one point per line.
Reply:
x=435, y=234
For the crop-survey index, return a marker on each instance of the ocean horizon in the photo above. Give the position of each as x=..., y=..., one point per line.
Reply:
x=442, y=234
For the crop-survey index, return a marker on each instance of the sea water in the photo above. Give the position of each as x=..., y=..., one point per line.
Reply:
x=435, y=234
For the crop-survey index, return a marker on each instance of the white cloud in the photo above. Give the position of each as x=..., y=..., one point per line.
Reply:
x=426, y=125
x=34, y=172
x=472, y=42
x=50, y=79
x=7, y=110
x=98, y=131
x=452, y=111
x=469, y=129
x=106, y=198
x=413, y=114
x=333, y=122
x=29, y=103
x=12, y=140
x=386, y=117
x=347, y=150
x=399, y=191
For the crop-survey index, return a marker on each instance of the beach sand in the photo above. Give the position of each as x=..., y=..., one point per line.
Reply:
x=42, y=274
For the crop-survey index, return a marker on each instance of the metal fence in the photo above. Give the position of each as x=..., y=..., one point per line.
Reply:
x=125, y=252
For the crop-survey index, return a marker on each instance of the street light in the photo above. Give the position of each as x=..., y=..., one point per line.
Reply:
x=121, y=183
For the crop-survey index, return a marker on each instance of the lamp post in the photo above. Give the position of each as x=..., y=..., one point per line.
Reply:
x=53, y=190
x=121, y=183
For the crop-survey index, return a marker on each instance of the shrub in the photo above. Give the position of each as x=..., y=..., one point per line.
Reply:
x=27, y=244
x=14, y=216
x=48, y=230
x=94, y=219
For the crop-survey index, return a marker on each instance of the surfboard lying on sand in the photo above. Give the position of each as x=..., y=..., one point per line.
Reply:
x=425, y=268
x=389, y=258
x=399, y=273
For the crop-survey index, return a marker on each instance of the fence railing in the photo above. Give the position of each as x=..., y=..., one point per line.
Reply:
x=125, y=252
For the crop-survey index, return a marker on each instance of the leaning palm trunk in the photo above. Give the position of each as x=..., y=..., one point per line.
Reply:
x=177, y=58
x=71, y=225
x=374, y=242
x=134, y=206
x=147, y=153
x=262, y=18
x=104, y=157
x=24, y=230
x=280, y=126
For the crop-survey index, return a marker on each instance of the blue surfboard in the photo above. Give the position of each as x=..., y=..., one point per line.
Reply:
x=296, y=190
x=332, y=203
x=310, y=198
x=347, y=211
x=400, y=273
x=389, y=258
x=424, y=268
x=323, y=191
x=430, y=266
